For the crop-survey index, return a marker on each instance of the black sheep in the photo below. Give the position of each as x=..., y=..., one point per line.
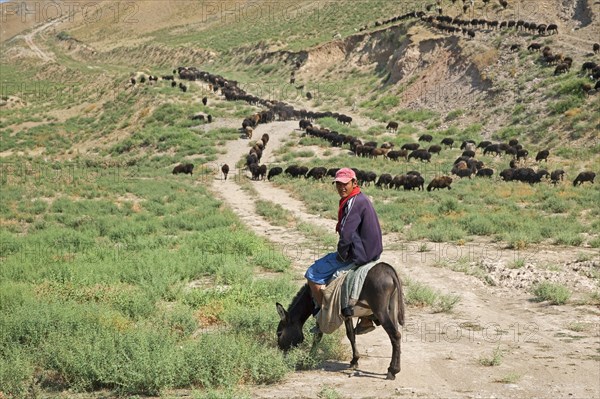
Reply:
x=542, y=156
x=274, y=172
x=583, y=177
x=317, y=173
x=421, y=154
x=485, y=172
x=556, y=176
x=448, y=142
x=384, y=180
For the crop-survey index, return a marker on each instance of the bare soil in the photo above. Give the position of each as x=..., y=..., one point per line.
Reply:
x=543, y=351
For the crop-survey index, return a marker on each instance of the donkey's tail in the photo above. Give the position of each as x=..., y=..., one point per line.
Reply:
x=399, y=296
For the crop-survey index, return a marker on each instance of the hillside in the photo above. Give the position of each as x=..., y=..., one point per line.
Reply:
x=118, y=277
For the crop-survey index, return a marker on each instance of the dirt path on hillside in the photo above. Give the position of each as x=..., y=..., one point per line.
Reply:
x=543, y=351
x=44, y=56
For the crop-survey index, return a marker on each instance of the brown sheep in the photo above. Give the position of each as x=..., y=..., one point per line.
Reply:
x=186, y=168
x=439, y=183
x=379, y=151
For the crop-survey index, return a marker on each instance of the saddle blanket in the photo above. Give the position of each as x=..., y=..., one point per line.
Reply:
x=341, y=292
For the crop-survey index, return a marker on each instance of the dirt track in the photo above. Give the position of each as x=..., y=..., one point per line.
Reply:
x=539, y=355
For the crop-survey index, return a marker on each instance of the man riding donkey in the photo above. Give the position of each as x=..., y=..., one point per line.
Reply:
x=360, y=242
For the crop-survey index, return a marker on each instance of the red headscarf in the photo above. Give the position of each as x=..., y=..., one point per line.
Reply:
x=355, y=191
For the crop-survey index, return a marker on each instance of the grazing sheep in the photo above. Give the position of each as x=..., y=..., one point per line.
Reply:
x=265, y=139
x=410, y=146
x=439, y=183
x=448, y=142
x=493, y=148
x=204, y=100
x=294, y=171
x=528, y=175
x=561, y=68
x=522, y=154
x=384, y=181
x=588, y=65
x=274, y=172
x=395, y=155
x=262, y=171
x=393, y=126
x=414, y=181
x=398, y=181
x=485, y=172
x=366, y=178
x=254, y=170
x=426, y=137
x=583, y=177
x=304, y=124
x=484, y=144
x=468, y=153
x=435, y=149
x=421, y=154
x=596, y=48
x=344, y=119
x=332, y=171
x=556, y=176
x=317, y=173
x=375, y=152
x=225, y=170
x=542, y=156
x=507, y=174
x=552, y=28
x=186, y=168
x=209, y=118
x=248, y=130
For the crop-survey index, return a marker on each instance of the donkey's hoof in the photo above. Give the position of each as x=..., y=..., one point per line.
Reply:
x=390, y=376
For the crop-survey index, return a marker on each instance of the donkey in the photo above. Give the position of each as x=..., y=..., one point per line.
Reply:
x=381, y=293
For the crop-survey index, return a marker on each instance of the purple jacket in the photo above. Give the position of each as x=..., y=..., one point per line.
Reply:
x=360, y=233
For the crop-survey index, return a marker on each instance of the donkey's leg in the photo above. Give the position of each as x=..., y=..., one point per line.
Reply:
x=389, y=322
x=351, y=337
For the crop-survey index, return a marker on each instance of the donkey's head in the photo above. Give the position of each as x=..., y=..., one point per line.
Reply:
x=289, y=332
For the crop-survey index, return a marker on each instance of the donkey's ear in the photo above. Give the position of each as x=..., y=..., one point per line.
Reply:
x=282, y=312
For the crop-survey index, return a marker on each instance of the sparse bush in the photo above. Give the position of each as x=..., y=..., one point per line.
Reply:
x=494, y=360
x=556, y=294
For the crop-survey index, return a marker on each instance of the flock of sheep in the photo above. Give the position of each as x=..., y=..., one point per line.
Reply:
x=465, y=166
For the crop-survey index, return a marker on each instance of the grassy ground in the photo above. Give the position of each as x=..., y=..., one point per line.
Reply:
x=97, y=272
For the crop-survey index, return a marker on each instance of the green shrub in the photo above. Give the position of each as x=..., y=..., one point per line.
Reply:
x=556, y=294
